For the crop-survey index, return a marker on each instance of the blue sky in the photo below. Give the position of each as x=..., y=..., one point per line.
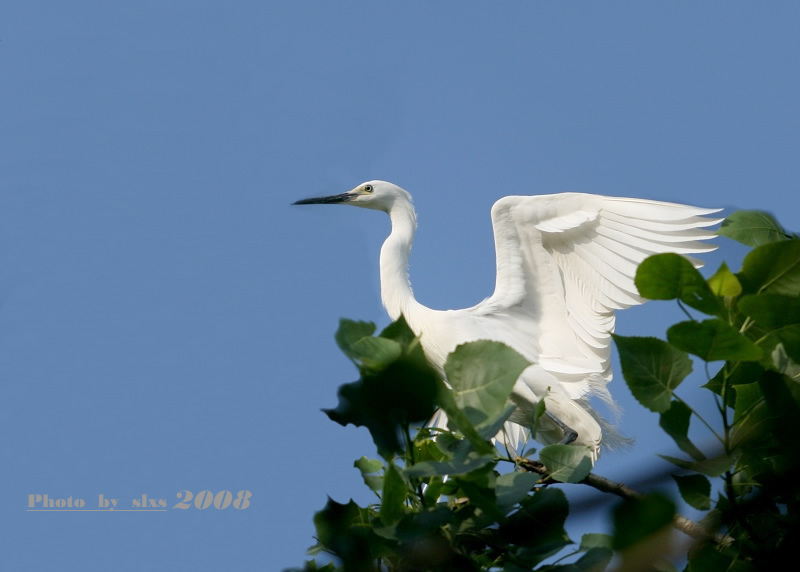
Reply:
x=167, y=319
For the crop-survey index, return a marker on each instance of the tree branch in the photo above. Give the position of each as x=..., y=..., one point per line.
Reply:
x=605, y=485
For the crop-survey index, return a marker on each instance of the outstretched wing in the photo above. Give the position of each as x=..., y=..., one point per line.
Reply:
x=566, y=262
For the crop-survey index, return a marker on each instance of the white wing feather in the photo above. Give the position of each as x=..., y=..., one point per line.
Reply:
x=567, y=261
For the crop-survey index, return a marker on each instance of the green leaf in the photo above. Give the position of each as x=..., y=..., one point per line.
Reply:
x=346, y=530
x=456, y=466
x=773, y=267
x=783, y=363
x=482, y=375
x=652, y=369
x=669, y=277
x=751, y=421
x=713, y=467
x=351, y=331
x=367, y=468
x=511, y=488
x=427, y=449
x=459, y=421
x=312, y=566
x=386, y=400
x=596, y=540
x=707, y=556
x=771, y=311
x=491, y=426
x=675, y=422
x=783, y=401
x=375, y=353
x=713, y=340
x=789, y=338
x=399, y=332
x=637, y=519
x=394, y=496
x=747, y=397
x=567, y=463
x=595, y=559
x=752, y=228
x=744, y=372
x=777, y=322
x=479, y=487
x=724, y=282
x=695, y=490
x=419, y=525
x=539, y=523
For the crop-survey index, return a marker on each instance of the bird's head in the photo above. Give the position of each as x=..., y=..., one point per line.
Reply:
x=378, y=195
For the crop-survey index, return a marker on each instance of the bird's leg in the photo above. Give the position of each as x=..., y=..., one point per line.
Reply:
x=569, y=433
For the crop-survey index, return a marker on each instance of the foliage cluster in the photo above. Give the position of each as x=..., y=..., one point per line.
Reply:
x=450, y=500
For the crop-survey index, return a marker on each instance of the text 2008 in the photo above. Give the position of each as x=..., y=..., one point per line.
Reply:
x=221, y=500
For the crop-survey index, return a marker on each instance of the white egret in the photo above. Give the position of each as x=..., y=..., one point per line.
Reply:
x=565, y=263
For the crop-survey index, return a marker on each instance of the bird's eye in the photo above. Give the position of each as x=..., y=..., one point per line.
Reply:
x=367, y=188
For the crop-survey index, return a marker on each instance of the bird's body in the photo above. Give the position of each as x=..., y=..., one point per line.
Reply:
x=565, y=263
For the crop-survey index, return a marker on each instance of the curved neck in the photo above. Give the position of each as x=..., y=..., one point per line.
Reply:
x=396, y=291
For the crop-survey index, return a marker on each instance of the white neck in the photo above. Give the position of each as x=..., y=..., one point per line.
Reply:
x=396, y=291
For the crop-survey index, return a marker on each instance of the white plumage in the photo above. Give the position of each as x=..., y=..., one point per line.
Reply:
x=565, y=263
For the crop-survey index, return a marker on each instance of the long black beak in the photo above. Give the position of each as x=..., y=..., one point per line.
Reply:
x=333, y=199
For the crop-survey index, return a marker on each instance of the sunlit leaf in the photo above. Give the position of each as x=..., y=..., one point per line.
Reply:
x=752, y=228
x=695, y=490
x=773, y=268
x=724, y=282
x=675, y=422
x=713, y=340
x=652, y=369
x=567, y=463
x=670, y=277
x=637, y=519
